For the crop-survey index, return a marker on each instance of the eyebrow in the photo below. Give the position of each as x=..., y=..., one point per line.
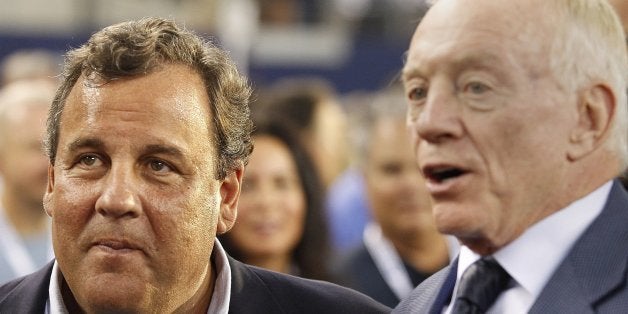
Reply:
x=163, y=149
x=480, y=60
x=148, y=150
x=407, y=73
x=86, y=142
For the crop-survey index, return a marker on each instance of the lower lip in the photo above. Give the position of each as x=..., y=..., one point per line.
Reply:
x=448, y=186
x=109, y=250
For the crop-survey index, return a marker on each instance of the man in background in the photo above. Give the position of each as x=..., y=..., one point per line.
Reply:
x=517, y=111
x=25, y=243
x=401, y=247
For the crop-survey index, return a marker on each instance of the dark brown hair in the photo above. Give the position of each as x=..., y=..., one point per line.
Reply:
x=312, y=251
x=137, y=48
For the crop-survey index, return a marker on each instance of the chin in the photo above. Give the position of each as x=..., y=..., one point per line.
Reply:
x=457, y=223
x=113, y=293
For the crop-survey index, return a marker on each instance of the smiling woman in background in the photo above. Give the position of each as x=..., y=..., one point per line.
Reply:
x=280, y=221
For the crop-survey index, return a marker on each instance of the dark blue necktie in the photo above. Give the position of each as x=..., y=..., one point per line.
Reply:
x=479, y=286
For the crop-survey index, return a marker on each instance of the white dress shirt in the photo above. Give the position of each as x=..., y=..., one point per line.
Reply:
x=219, y=303
x=533, y=257
x=389, y=263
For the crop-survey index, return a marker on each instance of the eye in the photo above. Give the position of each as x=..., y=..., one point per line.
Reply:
x=159, y=166
x=283, y=183
x=476, y=88
x=89, y=160
x=391, y=169
x=417, y=93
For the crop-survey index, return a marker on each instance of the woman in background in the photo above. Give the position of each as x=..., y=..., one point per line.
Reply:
x=280, y=223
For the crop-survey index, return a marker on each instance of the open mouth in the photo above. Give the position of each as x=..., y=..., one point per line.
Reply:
x=441, y=174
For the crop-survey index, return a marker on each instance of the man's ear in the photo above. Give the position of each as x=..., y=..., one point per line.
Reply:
x=49, y=189
x=230, y=194
x=596, y=109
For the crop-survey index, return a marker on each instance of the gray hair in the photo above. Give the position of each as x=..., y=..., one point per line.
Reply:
x=23, y=95
x=590, y=45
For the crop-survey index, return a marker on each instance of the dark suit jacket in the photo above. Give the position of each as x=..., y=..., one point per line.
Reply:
x=591, y=279
x=253, y=290
x=358, y=271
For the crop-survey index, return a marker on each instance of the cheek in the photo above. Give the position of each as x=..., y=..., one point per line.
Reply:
x=71, y=203
x=295, y=203
x=246, y=205
x=183, y=231
x=294, y=212
x=70, y=211
x=194, y=215
x=381, y=189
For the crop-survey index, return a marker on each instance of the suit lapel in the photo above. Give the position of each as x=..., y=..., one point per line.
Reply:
x=249, y=294
x=595, y=266
x=432, y=294
x=30, y=293
x=447, y=288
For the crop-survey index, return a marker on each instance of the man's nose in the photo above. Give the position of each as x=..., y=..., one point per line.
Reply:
x=439, y=117
x=119, y=197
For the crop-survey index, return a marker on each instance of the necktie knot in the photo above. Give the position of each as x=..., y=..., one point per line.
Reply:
x=479, y=286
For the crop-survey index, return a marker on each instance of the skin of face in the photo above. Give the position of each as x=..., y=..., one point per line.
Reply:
x=483, y=100
x=396, y=190
x=133, y=196
x=272, y=204
x=23, y=165
x=329, y=140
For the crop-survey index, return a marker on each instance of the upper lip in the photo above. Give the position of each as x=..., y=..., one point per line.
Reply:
x=439, y=172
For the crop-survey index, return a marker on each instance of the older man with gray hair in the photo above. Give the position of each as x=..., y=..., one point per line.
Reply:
x=25, y=242
x=517, y=111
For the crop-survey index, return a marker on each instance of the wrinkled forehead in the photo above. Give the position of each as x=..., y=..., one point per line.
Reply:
x=506, y=17
x=480, y=27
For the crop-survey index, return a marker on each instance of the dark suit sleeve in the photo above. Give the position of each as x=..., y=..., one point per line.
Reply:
x=26, y=294
x=255, y=290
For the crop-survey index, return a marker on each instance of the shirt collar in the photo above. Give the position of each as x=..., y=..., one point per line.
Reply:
x=532, y=258
x=220, y=297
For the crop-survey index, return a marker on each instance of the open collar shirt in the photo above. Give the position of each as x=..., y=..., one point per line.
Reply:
x=219, y=302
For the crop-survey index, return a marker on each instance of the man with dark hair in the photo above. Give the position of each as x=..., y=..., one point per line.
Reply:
x=147, y=141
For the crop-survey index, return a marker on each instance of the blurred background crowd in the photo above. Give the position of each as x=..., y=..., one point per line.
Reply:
x=327, y=195
x=332, y=190
x=356, y=44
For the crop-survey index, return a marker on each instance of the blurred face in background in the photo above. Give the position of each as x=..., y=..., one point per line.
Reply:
x=329, y=141
x=23, y=165
x=272, y=203
x=398, y=197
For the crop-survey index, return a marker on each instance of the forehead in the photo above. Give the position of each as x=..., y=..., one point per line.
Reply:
x=389, y=137
x=268, y=147
x=467, y=32
x=170, y=103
